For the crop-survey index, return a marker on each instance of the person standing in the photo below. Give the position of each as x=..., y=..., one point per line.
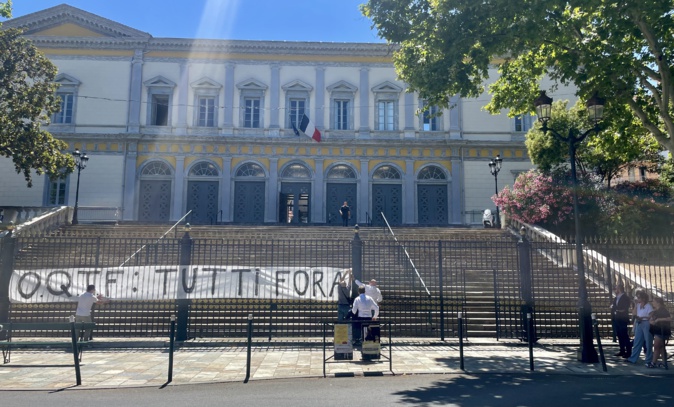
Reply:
x=85, y=301
x=372, y=290
x=660, y=327
x=620, y=313
x=642, y=335
x=345, y=211
x=364, y=309
x=344, y=296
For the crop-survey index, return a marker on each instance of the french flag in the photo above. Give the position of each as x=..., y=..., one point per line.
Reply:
x=308, y=128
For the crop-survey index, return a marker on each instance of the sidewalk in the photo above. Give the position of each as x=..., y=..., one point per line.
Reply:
x=112, y=364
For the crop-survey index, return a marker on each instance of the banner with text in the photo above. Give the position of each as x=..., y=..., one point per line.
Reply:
x=177, y=282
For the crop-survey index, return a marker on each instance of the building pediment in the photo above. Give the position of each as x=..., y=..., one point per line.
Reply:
x=342, y=86
x=387, y=86
x=159, y=82
x=206, y=83
x=251, y=84
x=66, y=80
x=69, y=21
x=297, y=85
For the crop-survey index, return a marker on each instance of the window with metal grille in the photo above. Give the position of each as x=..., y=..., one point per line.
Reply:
x=250, y=170
x=386, y=172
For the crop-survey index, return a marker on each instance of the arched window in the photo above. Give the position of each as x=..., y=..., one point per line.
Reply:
x=296, y=171
x=156, y=168
x=204, y=169
x=341, y=171
x=386, y=172
x=431, y=173
x=250, y=170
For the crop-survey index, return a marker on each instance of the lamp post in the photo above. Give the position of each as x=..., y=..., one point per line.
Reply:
x=495, y=168
x=81, y=160
x=595, y=106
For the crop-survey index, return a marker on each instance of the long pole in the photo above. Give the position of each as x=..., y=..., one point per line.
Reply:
x=77, y=194
x=587, y=352
x=498, y=219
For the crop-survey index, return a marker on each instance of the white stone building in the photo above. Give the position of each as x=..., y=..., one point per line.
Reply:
x=173, y=125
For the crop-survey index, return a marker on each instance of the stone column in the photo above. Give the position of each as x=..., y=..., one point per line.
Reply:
x=275, y=100
x=409, y=115
x=135, y=93
x=178, y=189
x=318, y=195
x=129, y=193
x=183, y=91
x=319, y=109
x=270, y=213
x=226, y=197
x=457, y=187
x=409, y=191
x=228, y=110
x=364, y=130
x=364, y=190
x=455, y=118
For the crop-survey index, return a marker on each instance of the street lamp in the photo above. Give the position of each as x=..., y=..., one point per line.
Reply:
x=81, y=160
x=595, y=107
x=495, y=168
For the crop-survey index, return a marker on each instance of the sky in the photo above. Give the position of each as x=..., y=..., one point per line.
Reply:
x=291, y=20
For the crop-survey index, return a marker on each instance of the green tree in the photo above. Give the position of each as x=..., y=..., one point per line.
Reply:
x=605, y=155
x=27, y=100
x=621, y=49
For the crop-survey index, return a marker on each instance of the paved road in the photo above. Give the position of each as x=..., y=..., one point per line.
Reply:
x=483, y=390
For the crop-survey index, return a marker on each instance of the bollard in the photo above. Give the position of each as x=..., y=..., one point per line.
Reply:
x=76, y=356
x=172, y=341
x=531, y=342
x=461, y=365
x=250, y=339
x=601, y=350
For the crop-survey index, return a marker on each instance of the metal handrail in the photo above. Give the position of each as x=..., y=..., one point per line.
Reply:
x=406, y=253
x=156, y=241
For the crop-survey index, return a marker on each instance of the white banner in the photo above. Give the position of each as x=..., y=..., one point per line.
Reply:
x=177, y=282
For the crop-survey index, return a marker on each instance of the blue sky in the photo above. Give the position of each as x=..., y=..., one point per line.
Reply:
x=292, y=20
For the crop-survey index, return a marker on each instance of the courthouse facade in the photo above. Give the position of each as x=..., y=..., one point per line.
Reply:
x=173, y=125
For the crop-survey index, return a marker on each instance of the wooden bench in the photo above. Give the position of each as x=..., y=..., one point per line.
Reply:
x=9, y=328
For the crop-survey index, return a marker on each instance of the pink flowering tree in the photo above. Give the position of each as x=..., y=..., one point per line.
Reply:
x=536, y=198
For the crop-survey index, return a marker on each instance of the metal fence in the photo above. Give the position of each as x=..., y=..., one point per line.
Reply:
x=425, y=284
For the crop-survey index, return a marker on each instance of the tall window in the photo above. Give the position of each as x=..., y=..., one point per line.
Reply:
x=386, y=96
x=65, y=115
x=341, y=115
x=296, y=111
x=56, y=195
x=386, y=115
x=206, y=112
x=206, y=95
x=342, y=96
x=160, y=110
x=431, y=119
x=159, y=99
x=251, y=116
x=522, y=123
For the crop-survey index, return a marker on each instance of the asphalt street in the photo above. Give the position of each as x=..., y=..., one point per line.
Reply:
x=484, y=390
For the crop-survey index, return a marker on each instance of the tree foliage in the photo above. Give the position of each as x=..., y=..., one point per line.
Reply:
x=623, y=50
x=27, y=100
x=607, y=154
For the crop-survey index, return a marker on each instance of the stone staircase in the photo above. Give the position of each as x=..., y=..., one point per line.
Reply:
x=474, y=262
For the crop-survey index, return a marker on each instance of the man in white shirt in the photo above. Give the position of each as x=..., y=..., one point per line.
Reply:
x=363, y=307
x=371, y=289
x=84, y=303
